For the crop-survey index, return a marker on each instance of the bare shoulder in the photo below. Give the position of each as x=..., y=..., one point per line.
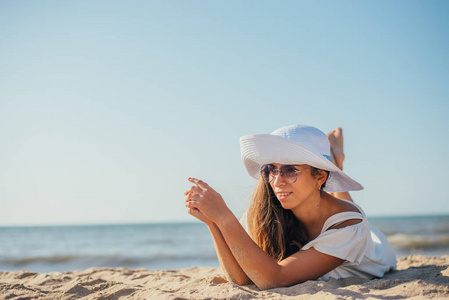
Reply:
x=344, y=206
x=341, y=206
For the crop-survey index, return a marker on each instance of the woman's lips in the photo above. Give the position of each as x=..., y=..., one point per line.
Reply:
x=282, y=196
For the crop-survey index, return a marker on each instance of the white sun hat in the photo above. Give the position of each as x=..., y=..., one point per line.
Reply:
x=295, y=145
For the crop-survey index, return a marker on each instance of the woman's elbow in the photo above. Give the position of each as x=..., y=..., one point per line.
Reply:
x=274, y=282
x=241, y=281
x=268, y=283
x=238, y=279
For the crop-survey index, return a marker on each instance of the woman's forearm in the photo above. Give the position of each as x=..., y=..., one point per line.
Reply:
x=236, y=250
x=227, y=260
x=261, y=269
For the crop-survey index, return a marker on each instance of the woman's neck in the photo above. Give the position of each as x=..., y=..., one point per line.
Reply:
x=312, y=212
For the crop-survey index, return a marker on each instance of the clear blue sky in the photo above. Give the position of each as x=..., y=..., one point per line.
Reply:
x=106, y=107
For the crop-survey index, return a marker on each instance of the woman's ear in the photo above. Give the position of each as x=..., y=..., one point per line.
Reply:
x=321, y=178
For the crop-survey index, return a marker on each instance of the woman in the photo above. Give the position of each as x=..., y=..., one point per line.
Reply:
x=302, y=222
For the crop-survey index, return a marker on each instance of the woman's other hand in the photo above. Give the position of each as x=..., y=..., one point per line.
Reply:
x=199, y=215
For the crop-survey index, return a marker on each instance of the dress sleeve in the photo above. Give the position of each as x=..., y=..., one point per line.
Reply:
x=348, y=243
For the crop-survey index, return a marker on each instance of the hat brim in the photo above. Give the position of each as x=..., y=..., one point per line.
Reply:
x=260, y=149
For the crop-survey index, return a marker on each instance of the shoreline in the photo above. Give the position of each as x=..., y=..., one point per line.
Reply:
x=416, y=276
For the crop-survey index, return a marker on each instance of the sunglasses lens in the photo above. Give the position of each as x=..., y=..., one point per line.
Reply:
x=265, y=171
x=269, y=172
x=289, y=173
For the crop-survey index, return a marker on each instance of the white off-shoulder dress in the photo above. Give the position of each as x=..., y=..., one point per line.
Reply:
x=364, y=249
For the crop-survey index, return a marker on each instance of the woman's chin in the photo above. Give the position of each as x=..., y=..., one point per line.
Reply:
x=289, y=203
x=285, y=204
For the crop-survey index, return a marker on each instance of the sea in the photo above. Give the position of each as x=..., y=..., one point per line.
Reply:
x=171, y=245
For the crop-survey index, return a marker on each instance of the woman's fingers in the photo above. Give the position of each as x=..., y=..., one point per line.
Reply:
x=209, y=204
x=192, y=203
x=195, y=199
x=197, y=191
x=193, y=189
x=193, y=211
x=192, y=197
x=199, y=183
x=197, y=214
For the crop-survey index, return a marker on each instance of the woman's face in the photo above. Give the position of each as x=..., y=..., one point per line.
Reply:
x=290, y=195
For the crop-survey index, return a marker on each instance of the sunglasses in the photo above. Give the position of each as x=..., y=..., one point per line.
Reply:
x=288, y=172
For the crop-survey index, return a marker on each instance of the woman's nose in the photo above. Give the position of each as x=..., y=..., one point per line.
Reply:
x=278, y=180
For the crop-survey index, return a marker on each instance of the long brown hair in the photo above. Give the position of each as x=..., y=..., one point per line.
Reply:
x=276, y=230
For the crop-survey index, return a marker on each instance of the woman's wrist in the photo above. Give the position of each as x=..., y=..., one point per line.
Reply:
x=212, y=227
x=224, y=219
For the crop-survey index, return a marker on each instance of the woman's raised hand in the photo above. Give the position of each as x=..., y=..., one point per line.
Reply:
x=204, y=202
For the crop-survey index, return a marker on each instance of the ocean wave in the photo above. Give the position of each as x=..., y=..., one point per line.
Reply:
x=406, y=241
x=442, y=230
x=53, y=259
x=111, y=260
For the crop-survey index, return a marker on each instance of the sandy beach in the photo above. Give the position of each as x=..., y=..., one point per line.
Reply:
x=416, y=277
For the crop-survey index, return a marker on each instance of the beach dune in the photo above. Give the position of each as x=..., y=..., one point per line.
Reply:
x=416, y=277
